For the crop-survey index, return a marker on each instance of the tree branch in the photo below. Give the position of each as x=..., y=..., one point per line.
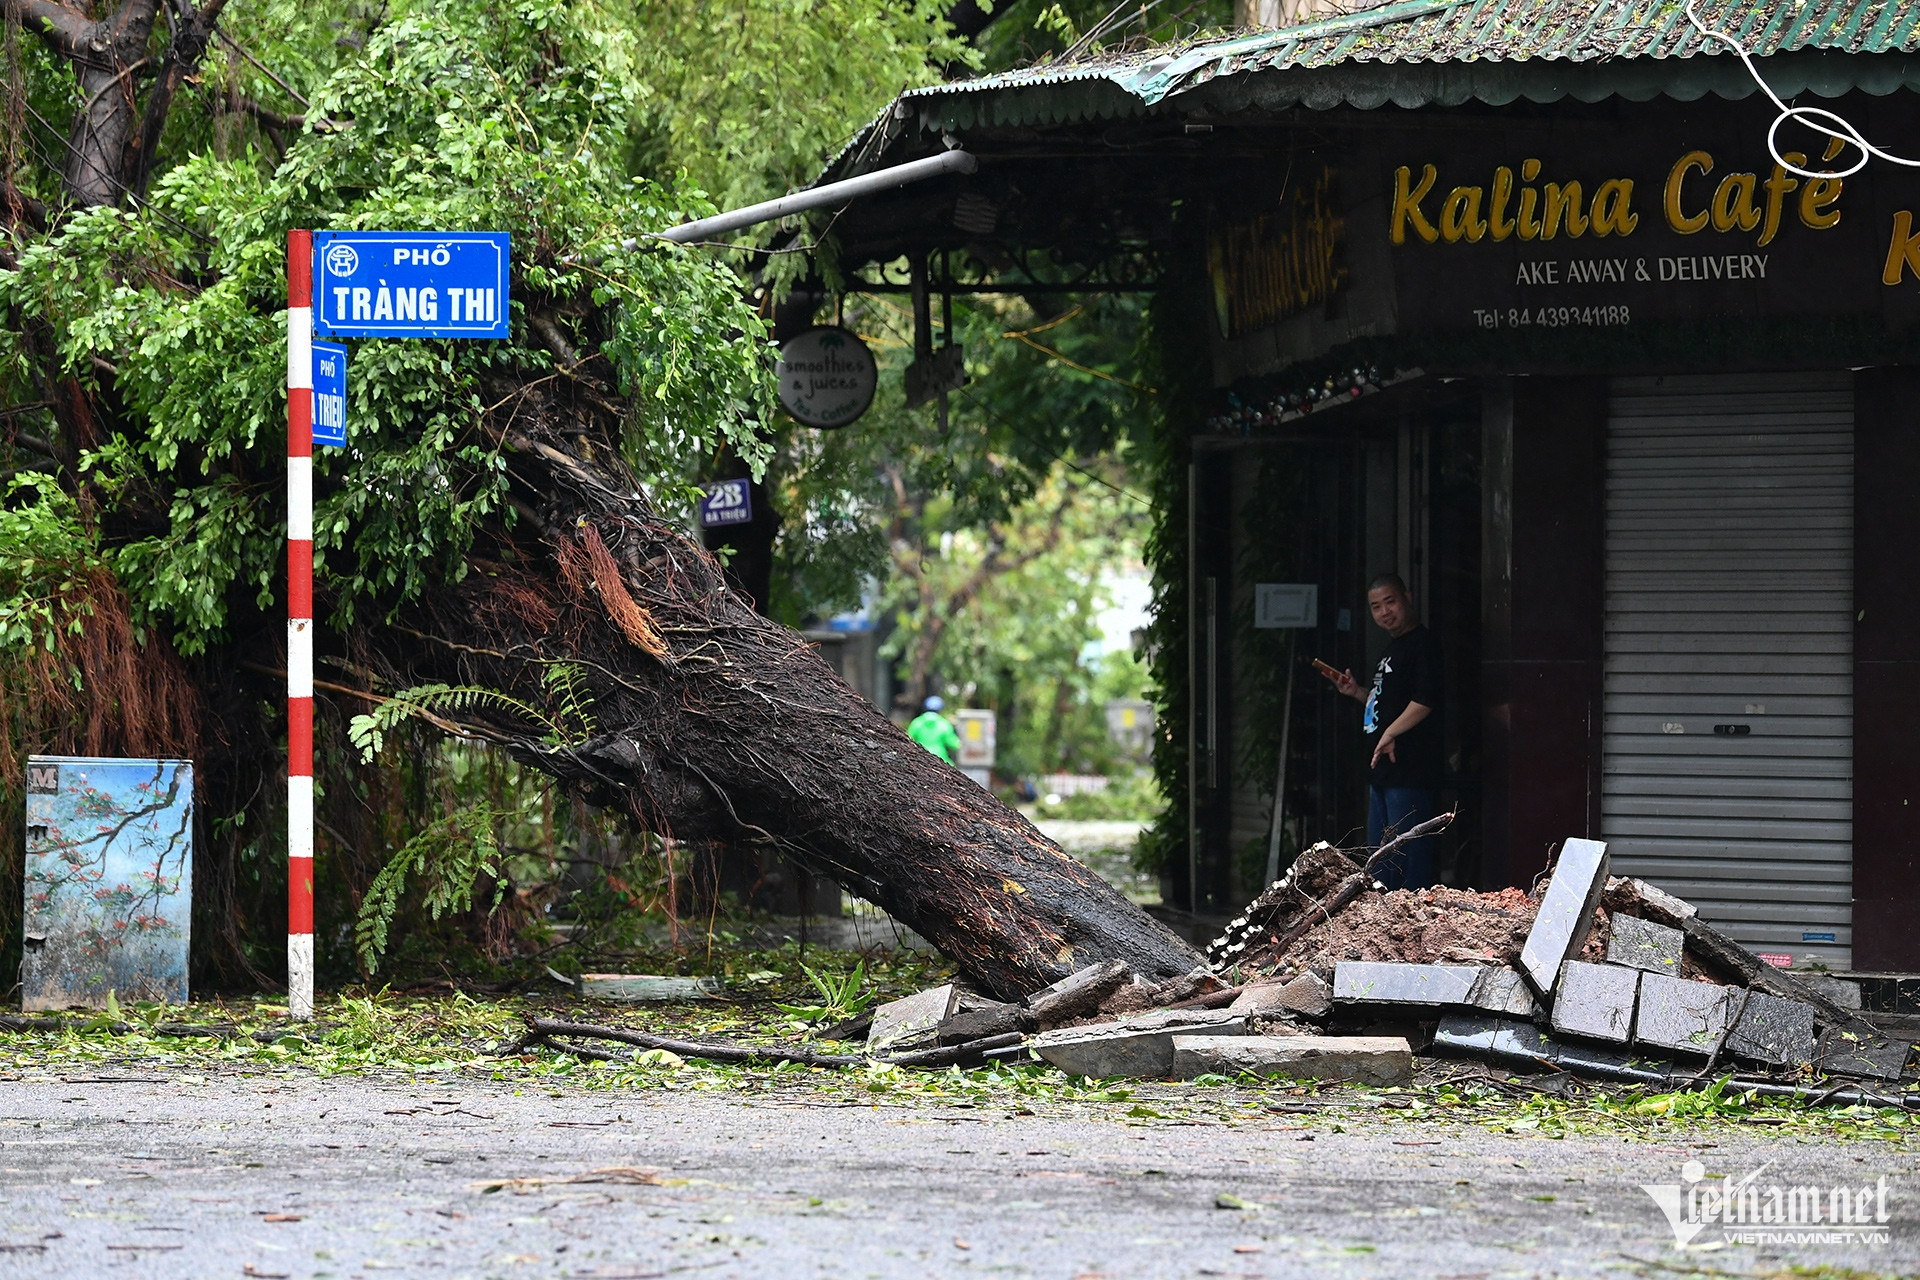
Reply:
x=268, y=116
x=63, y=27
x=261, y=67
x=184, y=53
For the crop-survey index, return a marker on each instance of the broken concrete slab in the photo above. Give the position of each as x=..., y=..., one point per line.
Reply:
x=1601, y=1063
x=1521, y=1046
x=1141, y=1046
x=1642, y=944
x=1372, y=1060
x=1687, y=1017
x=1377, y=984
x=1722, y=957
x=1477, y=1035
x=1595, y=1001
x=1308, y=995
x=1849, y=1053
x=646, y=987
x=1500, y=990
x=905, y=1024
x=1638, y=898
x=1774, y=1031
x=1566, y=913
x=1844, y=992
x=1259, y=997
x=1080, y=992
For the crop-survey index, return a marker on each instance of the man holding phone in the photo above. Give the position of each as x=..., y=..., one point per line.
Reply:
x=1403, y=730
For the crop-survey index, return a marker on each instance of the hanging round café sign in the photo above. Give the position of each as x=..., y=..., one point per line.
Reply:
x=826, y=376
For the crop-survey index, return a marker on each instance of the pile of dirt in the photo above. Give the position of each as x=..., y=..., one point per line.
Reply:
x=1415, y=926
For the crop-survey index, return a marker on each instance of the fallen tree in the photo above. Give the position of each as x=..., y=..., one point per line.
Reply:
x=695, y=714
x=490, y=561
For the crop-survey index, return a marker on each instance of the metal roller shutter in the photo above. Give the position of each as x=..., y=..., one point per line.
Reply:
x=1728, y=690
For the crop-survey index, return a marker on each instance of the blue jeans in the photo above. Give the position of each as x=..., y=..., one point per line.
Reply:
x=1401, y=808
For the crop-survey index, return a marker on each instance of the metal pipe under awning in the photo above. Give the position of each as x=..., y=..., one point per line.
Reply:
x=834, y=193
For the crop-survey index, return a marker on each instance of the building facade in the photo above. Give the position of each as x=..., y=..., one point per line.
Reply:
x=1517, y=302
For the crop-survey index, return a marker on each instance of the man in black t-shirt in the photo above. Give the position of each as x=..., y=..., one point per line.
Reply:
x=1403, y=731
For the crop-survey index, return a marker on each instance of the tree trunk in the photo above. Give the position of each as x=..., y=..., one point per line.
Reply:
x=111, y=140
x=708, y=719
x=106, y=56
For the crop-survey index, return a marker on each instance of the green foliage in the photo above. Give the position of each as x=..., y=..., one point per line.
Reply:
x=1127, y=797
x=449, y=856
x=47, y=551
x=1028, y=31
x=570, y=720
x=1056, y=22
x=1012, y=611
x=368, y=732
x=847, y=495
x=532, y=117
x=566, y=684
x=841, y=995
x=464, y=115
x=1179, y=364
x=1066, y=730
x=750, y=99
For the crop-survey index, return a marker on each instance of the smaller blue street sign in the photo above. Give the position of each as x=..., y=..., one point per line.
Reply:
x=329, y=394
x=410, y=284
x=727, y=502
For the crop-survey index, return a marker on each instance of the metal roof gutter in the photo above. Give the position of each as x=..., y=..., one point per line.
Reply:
x=833, y=193
x=1157, y=79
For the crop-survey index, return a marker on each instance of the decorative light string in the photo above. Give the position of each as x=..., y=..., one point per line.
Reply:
x=1242, y=418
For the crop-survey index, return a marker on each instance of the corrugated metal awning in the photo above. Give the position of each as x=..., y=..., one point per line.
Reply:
x=1417, y=53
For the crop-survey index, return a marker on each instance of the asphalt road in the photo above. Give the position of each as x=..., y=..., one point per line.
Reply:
x=294, y=1176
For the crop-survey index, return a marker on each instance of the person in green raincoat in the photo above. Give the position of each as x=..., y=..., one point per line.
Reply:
x=934, y=731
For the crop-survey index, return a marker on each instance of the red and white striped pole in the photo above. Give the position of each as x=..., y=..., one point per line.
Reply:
x=300, y=624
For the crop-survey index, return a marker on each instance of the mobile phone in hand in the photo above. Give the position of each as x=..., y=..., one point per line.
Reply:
x=1325, y=670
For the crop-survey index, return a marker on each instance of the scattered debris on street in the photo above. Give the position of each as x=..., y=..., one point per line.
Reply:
x=1329, y=976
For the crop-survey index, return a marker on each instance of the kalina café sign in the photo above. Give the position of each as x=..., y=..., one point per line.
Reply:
x=1660, y=215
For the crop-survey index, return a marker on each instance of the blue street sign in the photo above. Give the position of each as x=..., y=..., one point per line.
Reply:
x=329, y=394
x=727, y=502
x=410, y=284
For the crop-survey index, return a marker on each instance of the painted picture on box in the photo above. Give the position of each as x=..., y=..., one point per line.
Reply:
x=109, y=881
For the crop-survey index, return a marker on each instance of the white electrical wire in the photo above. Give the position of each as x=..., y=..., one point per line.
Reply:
x=1811, y=117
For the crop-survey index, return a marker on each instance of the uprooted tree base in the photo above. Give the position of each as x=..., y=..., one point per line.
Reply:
x=707, y=718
